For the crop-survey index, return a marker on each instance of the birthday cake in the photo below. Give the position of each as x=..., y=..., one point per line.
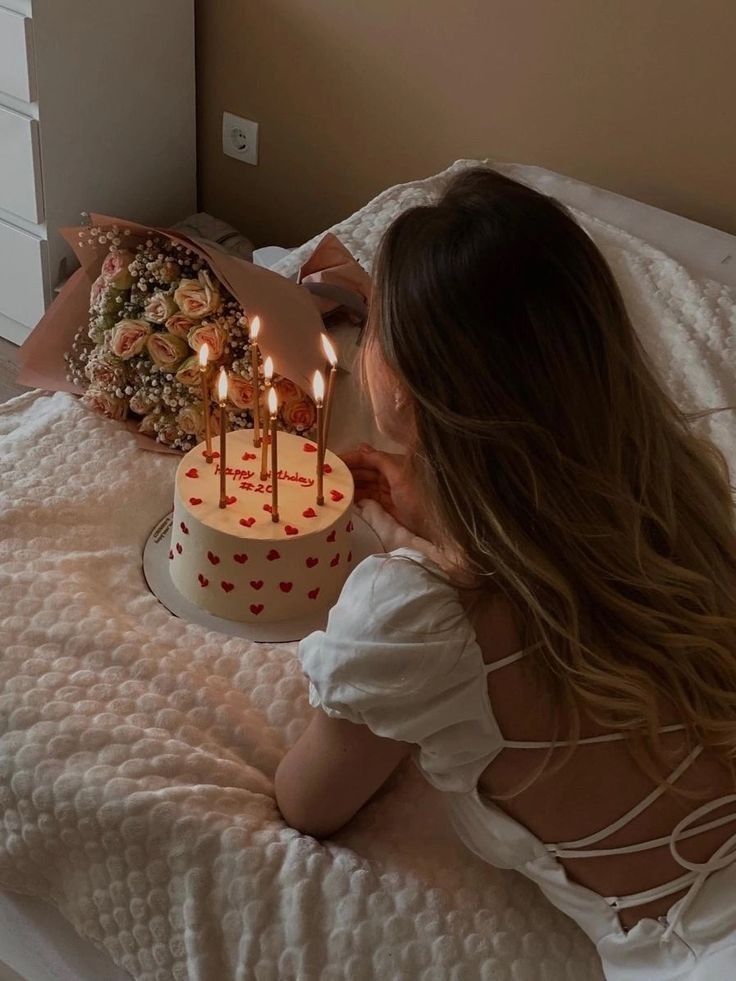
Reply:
x=238, y=563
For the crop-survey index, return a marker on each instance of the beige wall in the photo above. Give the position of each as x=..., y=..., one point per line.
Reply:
x=636, y=96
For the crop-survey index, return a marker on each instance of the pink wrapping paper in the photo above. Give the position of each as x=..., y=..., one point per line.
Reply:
x=291, y=321
x=336, y=280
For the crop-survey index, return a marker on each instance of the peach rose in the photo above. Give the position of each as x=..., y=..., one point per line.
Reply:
x=129, y=338
x=188, y=372
x=199, y=297
x=147, y=425
x=167, y=351
x=159, y=308
x=115, y=269
x=190, y=419
x=105, y=370
x=240, y=391
x=299, y=414
x=168, y=429
x=109, y=405
x=211, y=334
x=287, y=390
x=179, y=325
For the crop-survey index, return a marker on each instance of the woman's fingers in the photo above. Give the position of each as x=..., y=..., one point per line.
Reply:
x=391, y=465
x=353, y=458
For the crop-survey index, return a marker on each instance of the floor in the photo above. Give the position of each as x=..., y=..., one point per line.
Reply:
x=8, y=371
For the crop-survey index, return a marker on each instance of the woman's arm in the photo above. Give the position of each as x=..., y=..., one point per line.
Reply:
x=332, y=770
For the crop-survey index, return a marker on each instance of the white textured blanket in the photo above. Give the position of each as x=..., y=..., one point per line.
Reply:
x=137, y=751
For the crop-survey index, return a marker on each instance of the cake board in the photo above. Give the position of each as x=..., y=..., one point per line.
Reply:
x=156, y=571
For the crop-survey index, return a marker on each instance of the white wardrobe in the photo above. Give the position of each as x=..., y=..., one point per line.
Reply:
x=97, y=113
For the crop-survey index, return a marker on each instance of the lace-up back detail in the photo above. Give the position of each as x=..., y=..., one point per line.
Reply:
x=400, y=656
x=694, y=874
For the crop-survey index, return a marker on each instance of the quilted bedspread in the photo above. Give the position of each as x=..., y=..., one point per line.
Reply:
x=137, y=751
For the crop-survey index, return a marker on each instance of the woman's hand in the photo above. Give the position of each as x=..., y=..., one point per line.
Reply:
x=388, y=478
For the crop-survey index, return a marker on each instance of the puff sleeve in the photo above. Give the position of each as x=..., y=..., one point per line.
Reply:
x=399, y=655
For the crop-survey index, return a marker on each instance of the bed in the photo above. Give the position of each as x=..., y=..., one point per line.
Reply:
x=90, y=892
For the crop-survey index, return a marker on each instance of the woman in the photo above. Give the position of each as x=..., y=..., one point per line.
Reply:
x=557, y=645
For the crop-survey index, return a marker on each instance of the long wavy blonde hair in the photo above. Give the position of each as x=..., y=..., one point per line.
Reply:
x=550, y=455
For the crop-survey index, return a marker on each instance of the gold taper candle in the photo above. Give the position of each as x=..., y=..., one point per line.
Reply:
x=255, y=326
x=273, y=406
x=268, y=375
x=331, y=356
x=204, y=353
x=222, y=395
x=318, y=389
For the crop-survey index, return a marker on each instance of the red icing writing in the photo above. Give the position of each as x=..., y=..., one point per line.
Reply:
x=245, y=476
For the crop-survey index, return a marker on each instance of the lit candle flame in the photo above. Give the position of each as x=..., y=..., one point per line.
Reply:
x=222, y=385
x=273, y=402
x=268, y=368
x=329, y=350
x=204, y=355
x=318, y=387
x=255, y=326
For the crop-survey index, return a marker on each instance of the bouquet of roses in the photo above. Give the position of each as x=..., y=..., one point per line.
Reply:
x=155, y=302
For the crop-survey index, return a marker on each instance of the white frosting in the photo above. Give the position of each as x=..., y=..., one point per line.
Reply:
x=236, y=562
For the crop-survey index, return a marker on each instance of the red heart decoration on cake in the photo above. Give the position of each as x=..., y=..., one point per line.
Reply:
x=241, y=559
x=178, y=548
x=267, y=507
x=312, y=562
x=214, y=559
x=193, y=473
x=202, y=580
x=215, y=455
x=285, y=587
x=291, y=530
x=230, y=500
x=171, y=554
x=227, y=586
x=247, y=522
x=257, y=583
x=350, y=556
x=248, y=456
x=310, y=448
x=273, y=554
x=256, y=608
x=184, y=528
x=195, y=500
x=309, y=513
x=313, y=593
x=336, y=560
x=349, y=527
x=331, y=536
x=336, y=495
x=326, y=468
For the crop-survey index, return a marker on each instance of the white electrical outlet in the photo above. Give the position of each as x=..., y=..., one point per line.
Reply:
x=239, y=138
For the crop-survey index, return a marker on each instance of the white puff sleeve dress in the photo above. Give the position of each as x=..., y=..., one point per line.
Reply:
x=400, y=656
